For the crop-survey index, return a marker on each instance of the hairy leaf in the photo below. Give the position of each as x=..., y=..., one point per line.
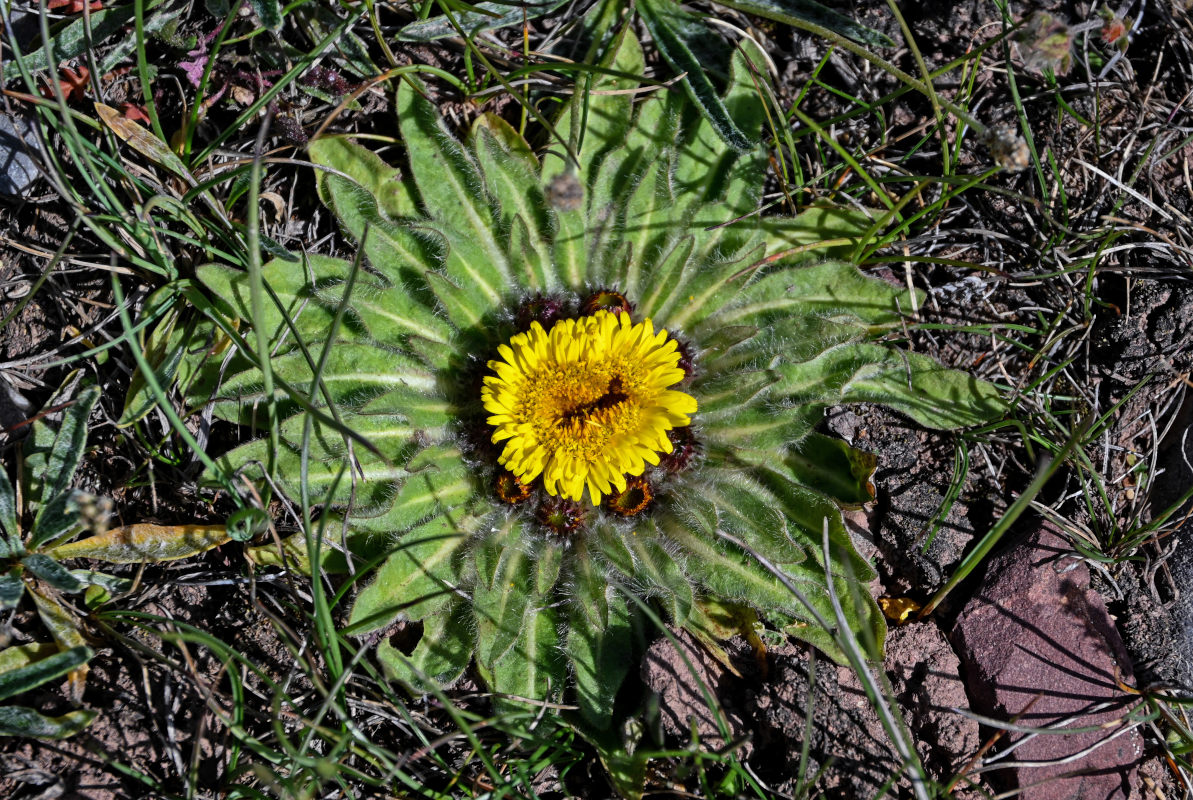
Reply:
x=792, y=12
x=674, y=32
x=30, y=676
x=12, y=589
x=395, y=197
x=501, y=597
x=533, y=667
x=416, y=580
x=133, y=544
x=598, y=640
x=441, y=655
x=10, y=529
x=53, y=573
x=25, y=722
x=487, y=17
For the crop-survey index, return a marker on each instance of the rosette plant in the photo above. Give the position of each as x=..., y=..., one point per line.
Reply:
x=559, y=390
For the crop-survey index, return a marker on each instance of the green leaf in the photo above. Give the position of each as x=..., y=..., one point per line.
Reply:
x=417, y=579
x=164, y=350
x=291, y=553
x=451, y=188
x=831, y=467
x=351, y=374
x=671, y=265
x=722, y=340
x=441, y=655
x=626, y=770
x=294, y=286
x=101, y=587
x=833, y=289
x=60, y=622
x=395, y=196
x=816, y=232
x=351, y=49
x=510, y=174
x=806, y=512
x=740, y=506
x=650, y=237
x=394, y=317
x=642, y=158
x=599, y=119
x=793, y=12
x=406, y=254
x=610, y=543
x=10, y=541
x=392, y=246
x=597, y=122
x=642, y=559
x=437, y=482
x=55, y=519
x=711, y=179
x=501, y=597
x=269, y=12
x=700, y=164
x=487, y=17
x=703, y=285
x=533, y=666
x=68, y=447
x=12, y=589
x=736, y=577
x=23, y=679
x=25, y=722
x=918, y=386
x=548, y=562
x=762, y=425
x=662, y=573
x=598, y=641
x=674, y=32
x=330, y=463
x=777, y=519
x=52, y=573
x=22, y=655
x=73, y=40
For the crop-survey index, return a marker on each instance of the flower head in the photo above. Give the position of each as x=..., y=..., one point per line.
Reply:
x=587, y=403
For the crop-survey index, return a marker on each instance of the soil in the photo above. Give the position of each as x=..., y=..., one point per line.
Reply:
x=163, y=699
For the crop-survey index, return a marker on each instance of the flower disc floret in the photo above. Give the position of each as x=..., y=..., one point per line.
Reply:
x=585, y=404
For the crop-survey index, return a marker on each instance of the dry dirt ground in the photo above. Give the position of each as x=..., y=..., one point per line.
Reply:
x=1020, y=235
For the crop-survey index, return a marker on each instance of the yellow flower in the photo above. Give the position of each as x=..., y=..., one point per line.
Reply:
x=587, y=403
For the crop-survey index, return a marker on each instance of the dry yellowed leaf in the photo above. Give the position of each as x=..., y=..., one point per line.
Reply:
x=133, y=544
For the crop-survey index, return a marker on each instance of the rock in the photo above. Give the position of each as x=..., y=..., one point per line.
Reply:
x=1180, y=608
x=680, y=686
x=1158, y=619
x=912, y=491
x=849, y=754
x=1038, y=645
x=925, y=675
x=18, y=139
x=1158, y=623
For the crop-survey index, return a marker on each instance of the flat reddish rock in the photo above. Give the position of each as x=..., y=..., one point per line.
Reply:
x=1038, y=644
x=925, y=675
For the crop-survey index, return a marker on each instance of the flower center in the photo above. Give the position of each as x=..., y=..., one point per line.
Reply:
x=586, y=403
